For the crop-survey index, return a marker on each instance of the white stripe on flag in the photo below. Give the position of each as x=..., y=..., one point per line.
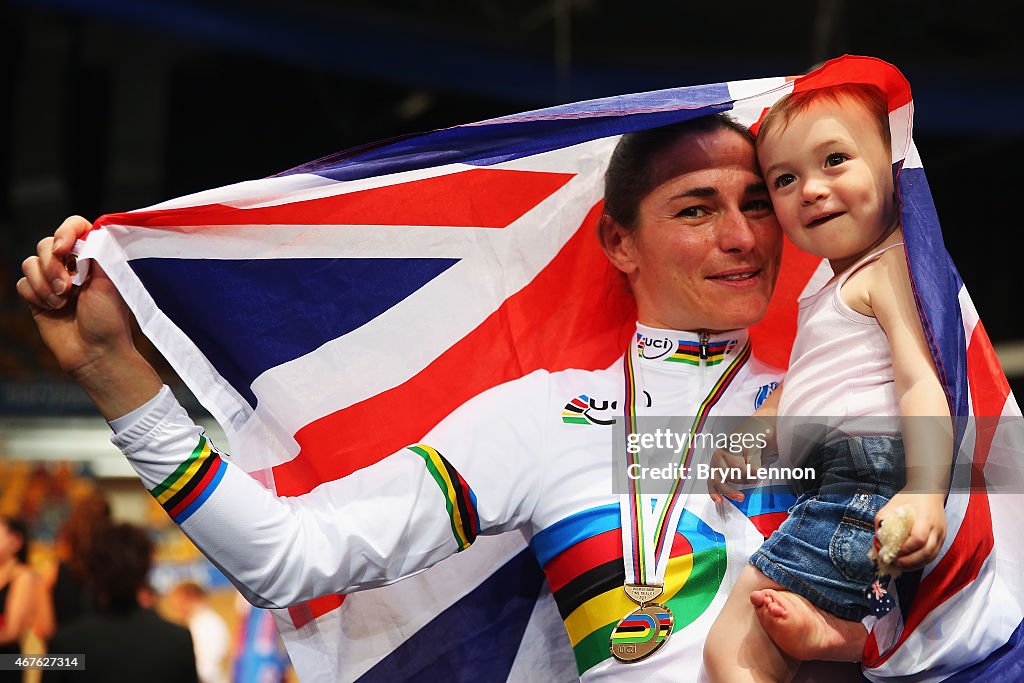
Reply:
x=901, y=122
x=755, y=95
x=418, y=334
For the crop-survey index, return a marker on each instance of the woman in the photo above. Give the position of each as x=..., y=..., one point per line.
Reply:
x=689, y=223
x=67, y=581
x=17, y=584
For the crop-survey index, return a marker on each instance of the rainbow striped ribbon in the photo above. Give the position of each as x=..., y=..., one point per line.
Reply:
x=645, y=556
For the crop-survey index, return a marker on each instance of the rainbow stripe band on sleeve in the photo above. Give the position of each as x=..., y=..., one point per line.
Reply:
x=459, y=498
x=188, y=487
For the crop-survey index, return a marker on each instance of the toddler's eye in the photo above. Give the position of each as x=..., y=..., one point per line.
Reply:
x=784, y=179
x=835, y=159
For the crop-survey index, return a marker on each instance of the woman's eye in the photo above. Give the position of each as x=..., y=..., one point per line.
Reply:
x=835, y=159
x=692, y=212
x=784, y=179
x=758, y=206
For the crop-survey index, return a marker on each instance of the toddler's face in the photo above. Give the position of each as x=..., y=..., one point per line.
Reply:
x=829, y=175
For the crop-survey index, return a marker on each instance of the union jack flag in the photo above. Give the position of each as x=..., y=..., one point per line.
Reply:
x=334, y=313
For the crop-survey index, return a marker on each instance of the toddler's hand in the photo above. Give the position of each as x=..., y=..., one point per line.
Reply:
x=929, y=530
x=761, y=426
x=726, y=465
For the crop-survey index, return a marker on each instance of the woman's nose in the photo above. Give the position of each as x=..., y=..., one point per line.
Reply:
x=735, y=233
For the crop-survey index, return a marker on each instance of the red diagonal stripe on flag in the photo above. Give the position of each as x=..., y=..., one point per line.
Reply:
x=856, y=69
x=772, y=338
x=853, y=69
x=767, y=523
x=314, y=609
x=539, y=331
x=973, y=543
x=480, y=198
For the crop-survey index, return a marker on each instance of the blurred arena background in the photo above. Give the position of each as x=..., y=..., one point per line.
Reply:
x=112, y=105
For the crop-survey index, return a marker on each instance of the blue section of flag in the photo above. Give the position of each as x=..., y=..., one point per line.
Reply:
x=687, y=97
x=937, y=284
x=1005, y=665
x=449, y=648
x=257, y=314
x=524, y=135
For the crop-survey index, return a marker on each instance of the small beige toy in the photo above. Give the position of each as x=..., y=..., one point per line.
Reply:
x=889, y=538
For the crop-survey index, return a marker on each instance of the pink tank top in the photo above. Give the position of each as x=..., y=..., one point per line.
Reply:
x=840, y=380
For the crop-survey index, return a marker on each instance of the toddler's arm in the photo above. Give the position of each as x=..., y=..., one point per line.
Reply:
x=762, y=423
x=924, y=413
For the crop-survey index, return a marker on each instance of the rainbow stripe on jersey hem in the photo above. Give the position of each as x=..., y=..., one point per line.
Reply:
x=582, y=558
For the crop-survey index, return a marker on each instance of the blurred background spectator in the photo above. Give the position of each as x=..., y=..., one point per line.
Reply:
x=260, y=656
x=67, y=577
x=187, y=605
x=17, y=590
x=120, y=638
x=67, y=505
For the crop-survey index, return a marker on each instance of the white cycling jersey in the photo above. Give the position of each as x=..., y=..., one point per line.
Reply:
x=534, y=455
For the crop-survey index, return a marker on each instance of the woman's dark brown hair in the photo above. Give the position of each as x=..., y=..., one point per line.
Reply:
x=630, y=174
x=118, y=563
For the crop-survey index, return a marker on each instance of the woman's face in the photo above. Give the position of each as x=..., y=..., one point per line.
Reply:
x=706, y=249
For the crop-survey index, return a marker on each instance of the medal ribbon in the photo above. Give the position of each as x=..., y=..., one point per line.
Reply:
x=645, y=555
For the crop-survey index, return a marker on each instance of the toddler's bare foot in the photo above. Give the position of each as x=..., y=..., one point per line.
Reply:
x=803, y=631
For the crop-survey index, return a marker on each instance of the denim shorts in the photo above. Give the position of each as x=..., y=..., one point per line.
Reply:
x=821, y=550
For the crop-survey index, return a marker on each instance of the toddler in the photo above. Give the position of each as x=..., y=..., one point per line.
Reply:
x=860, y=351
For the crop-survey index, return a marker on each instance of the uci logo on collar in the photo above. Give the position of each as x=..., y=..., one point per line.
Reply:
x=653, y=348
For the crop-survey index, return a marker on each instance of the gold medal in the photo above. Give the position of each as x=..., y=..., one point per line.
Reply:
x=641, y=633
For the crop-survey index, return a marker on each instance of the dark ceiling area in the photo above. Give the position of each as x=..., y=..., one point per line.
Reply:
x=115, y=104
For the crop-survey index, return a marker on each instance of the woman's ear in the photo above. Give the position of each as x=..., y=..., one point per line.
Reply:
x=618, y=243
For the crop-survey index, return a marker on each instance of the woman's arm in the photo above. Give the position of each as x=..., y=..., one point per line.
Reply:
x=356, y=532
x=373, y=527
x=377, y=525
